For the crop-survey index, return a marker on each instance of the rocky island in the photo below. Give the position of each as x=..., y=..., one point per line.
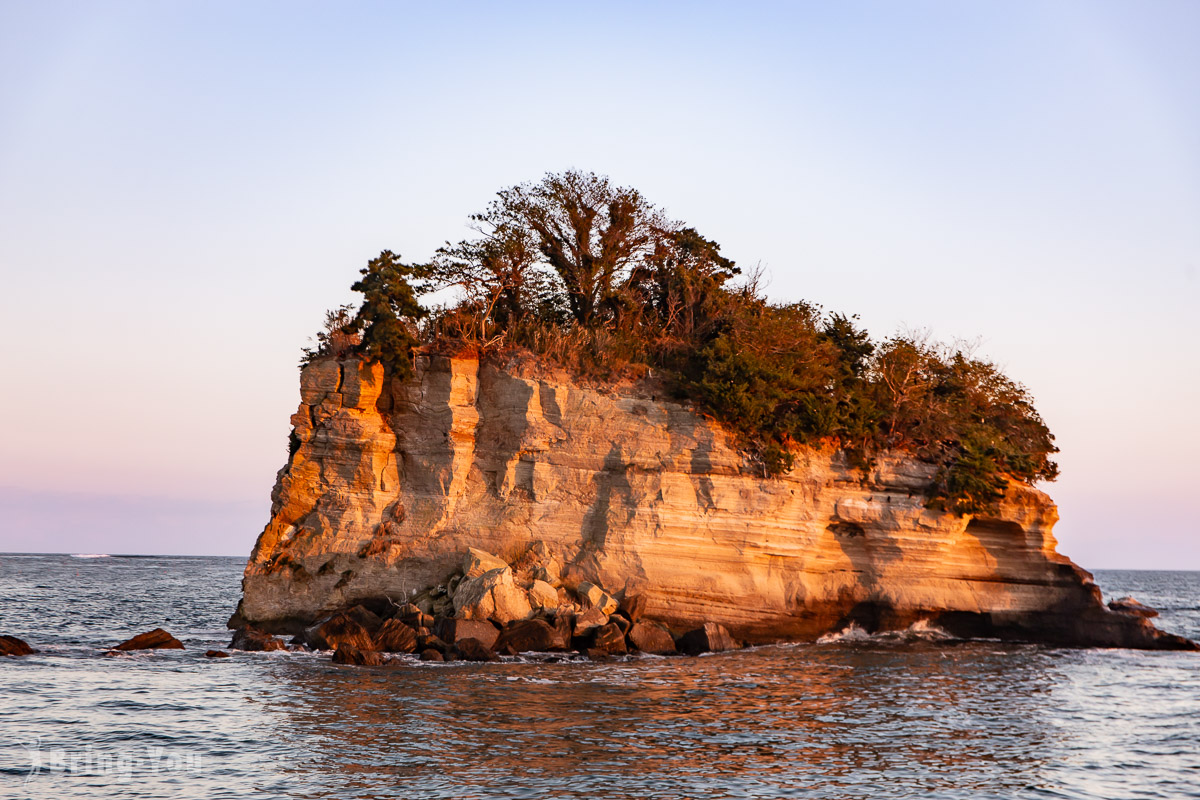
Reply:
x=472, y=477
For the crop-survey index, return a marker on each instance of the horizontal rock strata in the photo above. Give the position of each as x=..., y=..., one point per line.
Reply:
x=389, y=486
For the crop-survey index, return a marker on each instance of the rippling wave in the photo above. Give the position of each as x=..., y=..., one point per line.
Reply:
x=912, y=713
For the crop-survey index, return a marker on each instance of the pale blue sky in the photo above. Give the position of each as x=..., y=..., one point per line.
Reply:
x=185, y=187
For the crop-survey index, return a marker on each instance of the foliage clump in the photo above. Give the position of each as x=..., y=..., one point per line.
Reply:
x=595, y=278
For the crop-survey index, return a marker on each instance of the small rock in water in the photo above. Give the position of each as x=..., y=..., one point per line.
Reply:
x=349, y=654
x=429, y=654
x=215, y=654
x=12, y=646
x=157, y=639
x=1127, y=605
x=255, y=641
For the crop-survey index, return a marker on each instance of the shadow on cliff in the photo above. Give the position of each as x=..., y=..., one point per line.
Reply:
x=611, y=482
x=868, y=555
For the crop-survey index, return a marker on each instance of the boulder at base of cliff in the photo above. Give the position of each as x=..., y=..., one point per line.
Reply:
x=430, y=654
x=593, y=596
x=412, y=616
x=338, y=630
x=475, y=650
x=589, y=621
x=349, y=654
x=529, y=635
x=395, y=637
x=564, y=622
x=477, y=562
x=493, y=595
x=454, y=630
x=157, y=639
x=610, y=640
x=427, y=641
x=543, y=595
x=633, y=606
x=650, y=637
x=12, y=646
x=1127, y=605
x=254, y=640
x=712, y=638
x=365, y=617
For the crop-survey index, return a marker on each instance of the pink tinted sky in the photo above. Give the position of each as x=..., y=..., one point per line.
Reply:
x=184, y=188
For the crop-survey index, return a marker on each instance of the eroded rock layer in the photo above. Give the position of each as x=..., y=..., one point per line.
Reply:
x=389, y=485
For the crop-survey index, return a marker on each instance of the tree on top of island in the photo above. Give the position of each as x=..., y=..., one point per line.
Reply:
x=595, y=278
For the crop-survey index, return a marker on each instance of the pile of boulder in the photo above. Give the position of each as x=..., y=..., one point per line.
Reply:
x=491, y=609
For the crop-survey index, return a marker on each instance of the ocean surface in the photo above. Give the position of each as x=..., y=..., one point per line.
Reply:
x=909, y=715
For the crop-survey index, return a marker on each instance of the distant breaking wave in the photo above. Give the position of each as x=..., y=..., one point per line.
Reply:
x=90, y=555
x=921, y=630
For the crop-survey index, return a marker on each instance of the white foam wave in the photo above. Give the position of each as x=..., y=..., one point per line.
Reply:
x=921, y=630
x=851, y=633
x=90, y=555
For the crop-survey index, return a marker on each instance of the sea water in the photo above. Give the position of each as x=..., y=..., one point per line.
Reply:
x=853, y=716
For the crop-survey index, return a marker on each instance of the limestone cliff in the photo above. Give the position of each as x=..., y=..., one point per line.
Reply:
x=388, y=485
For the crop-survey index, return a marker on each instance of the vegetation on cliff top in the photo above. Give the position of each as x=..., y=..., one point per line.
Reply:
x=595, y=278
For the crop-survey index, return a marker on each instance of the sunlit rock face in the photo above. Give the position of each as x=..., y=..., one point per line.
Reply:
x=389, y=485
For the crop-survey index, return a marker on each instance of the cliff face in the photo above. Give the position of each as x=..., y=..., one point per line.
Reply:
x=389, y=486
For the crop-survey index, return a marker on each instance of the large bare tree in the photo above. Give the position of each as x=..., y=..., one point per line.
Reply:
x=588, y=232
